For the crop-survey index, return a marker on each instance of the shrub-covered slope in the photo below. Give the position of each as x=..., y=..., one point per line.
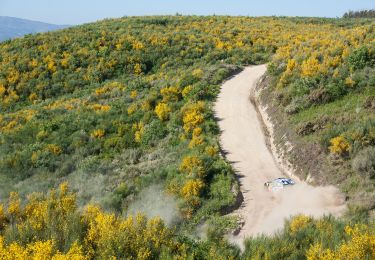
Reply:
x=116, y=106
x=50, y=226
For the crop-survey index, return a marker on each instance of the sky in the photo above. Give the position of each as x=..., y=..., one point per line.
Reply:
x=83, y=11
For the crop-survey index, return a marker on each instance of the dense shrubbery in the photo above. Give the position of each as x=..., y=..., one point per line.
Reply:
x=50, y=226
x=304, y=237
x=325, y=83
x=114, y=106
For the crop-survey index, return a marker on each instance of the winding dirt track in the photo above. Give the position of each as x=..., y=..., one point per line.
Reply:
x=243, y=140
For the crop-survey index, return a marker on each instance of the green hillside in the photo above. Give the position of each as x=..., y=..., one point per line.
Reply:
x=123, y=107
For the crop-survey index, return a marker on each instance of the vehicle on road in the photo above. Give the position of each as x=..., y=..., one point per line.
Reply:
x=278, y=184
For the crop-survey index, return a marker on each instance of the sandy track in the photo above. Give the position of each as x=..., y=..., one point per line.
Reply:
x=243, y=140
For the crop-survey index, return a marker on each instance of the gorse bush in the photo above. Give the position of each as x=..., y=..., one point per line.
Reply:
x=306, y=238
x=50, y=226
x=339, y=145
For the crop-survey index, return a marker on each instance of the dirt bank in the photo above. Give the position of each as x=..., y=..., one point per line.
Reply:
x=244, y=142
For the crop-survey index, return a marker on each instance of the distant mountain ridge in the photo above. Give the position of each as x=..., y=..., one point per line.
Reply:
x=12, y=27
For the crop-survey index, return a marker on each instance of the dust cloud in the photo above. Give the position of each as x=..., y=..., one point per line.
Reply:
x=298, y=199
x=154, y=202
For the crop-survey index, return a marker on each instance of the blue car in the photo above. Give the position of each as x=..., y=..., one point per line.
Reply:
x=278, y=184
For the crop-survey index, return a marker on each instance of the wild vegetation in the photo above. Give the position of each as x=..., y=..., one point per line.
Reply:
x=326, y=85
x=50, y=226
x=360, y=14
x=116, y=106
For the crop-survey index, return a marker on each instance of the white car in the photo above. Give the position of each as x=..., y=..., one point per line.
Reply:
x=278, y=184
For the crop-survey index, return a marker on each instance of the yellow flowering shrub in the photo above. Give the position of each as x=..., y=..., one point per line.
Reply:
x=11, y=252
x=299, y=222
x=292, y=64
x=192, y=165
x=54, y=149
x=38, y=214
x=70, y=104
x=2, y=89
x=193, y=116
x=13, y=76
x=50, y=63
x=100, y=108
x=14, y=205
x=132, y=237
x=192, y=188
x=316, y=252
x=359, y=245
x=53, y=219
x=137, y=45
x=162, y=110
x=185, y=92
x=197, y=131
x=190, y=192
x=36, y=211
x=33, y=97
x=2, y=217
x=198, y=73
x=139, y=130
x=211, y=150
x=310, y=67
x=108, y=88
x=132, y=108
x=98, y=133
x=11, y=125
x=10, y=98
x=349, y=82
x=33, y=63
x=134, y=94
x=339, y=145
x=39, y=250
x=170, y=94
x=221, y=45
x=196, y=138
x=137, y=68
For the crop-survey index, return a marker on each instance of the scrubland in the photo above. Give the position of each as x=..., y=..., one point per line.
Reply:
x=120, y=105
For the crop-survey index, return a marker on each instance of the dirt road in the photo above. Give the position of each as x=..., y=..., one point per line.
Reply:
x=243, y=140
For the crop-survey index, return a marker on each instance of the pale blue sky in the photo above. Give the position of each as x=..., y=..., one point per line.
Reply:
x=81, y=11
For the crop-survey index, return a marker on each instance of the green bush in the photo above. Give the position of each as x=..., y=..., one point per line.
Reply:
x=303, y=86
x=364, y=162
x=362, y=57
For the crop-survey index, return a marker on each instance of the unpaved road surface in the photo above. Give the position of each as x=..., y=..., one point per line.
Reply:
x=244, y=142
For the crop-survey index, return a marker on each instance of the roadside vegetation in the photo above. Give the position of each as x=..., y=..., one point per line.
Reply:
x=120, y=105
x=325, y=84
x=50, y=226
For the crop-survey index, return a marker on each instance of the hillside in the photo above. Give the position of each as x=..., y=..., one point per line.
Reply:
x=11, y=27
x=122, y=110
